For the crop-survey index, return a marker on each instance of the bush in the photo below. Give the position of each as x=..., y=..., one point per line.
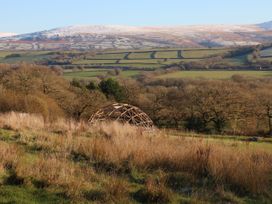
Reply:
x=195, y=124
x=12, y=56
x=112, y=88
x=154, y=192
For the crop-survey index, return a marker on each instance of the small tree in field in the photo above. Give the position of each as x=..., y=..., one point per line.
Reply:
x=264, y=100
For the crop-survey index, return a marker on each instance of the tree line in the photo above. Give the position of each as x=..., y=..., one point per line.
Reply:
x=236, y=106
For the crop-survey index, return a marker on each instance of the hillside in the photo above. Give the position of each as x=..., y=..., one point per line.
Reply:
x=223, y=58
x=266, y=25
x=131, y=37
x=78, y=164
x=210, y=143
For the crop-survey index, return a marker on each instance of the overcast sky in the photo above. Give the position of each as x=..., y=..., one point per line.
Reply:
x=21, y=16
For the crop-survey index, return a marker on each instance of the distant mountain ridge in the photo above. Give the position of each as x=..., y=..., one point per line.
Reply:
x=132, y=37
x=266, y=25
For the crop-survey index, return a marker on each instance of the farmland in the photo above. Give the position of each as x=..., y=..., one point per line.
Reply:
x=132, y=63
x=94, y=73
x=266, y=53
x=144, y=59
x=90, y=74
x=122, y=58
x=215, y=74
x=149, y=58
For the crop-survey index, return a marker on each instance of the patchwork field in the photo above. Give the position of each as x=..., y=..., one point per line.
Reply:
x=153, y=58
x=136, y=59
x=150, y=58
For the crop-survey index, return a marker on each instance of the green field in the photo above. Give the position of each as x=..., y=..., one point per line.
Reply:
x=152, y=58
x=170, y=54
x=215, y=74
x=35, y=56
x=94, y=73
x=94, y=62
x=84, y=74
x=203, y=53
x=266, y=52
x=107, y=56
x=140, y=55
x=140, y=59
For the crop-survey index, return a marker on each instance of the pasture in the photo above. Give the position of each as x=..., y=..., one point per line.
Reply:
x=133, y=59
x=266, y=52
x=143, y=59
x=94, y=73
x=214, y=74
x=152, y=58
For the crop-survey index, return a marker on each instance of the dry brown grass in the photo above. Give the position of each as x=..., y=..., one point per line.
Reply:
x=119, y=148
x=243, y=169
x=19, y=121
x=154, y=191
x=25, y=121
x=53, y=171
x=9, y=156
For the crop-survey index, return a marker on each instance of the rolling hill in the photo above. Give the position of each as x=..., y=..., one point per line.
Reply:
x=85, y=37
x=6, y=34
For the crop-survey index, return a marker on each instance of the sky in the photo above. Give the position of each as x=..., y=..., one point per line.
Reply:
x=23, y=16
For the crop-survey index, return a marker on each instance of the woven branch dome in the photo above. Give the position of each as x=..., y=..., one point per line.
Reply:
x=123, y=113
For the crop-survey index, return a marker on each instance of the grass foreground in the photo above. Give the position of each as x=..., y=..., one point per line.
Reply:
x=71, y=162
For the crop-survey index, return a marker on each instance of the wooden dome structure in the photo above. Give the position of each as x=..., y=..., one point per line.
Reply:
x=123, y=113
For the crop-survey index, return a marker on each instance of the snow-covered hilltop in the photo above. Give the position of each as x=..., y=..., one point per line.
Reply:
x=117, y=36
x=6, y=34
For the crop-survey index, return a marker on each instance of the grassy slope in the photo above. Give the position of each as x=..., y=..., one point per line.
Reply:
x=137, y=58
x=28, y=195
x=266, y=53
x=112, y=181
x=143, y=59
x=172, y=54
x=200, y=53
x=84, y=74
x=34, y=56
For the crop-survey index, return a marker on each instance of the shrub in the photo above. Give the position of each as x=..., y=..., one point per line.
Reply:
x=111, y=88
x=154, y=192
